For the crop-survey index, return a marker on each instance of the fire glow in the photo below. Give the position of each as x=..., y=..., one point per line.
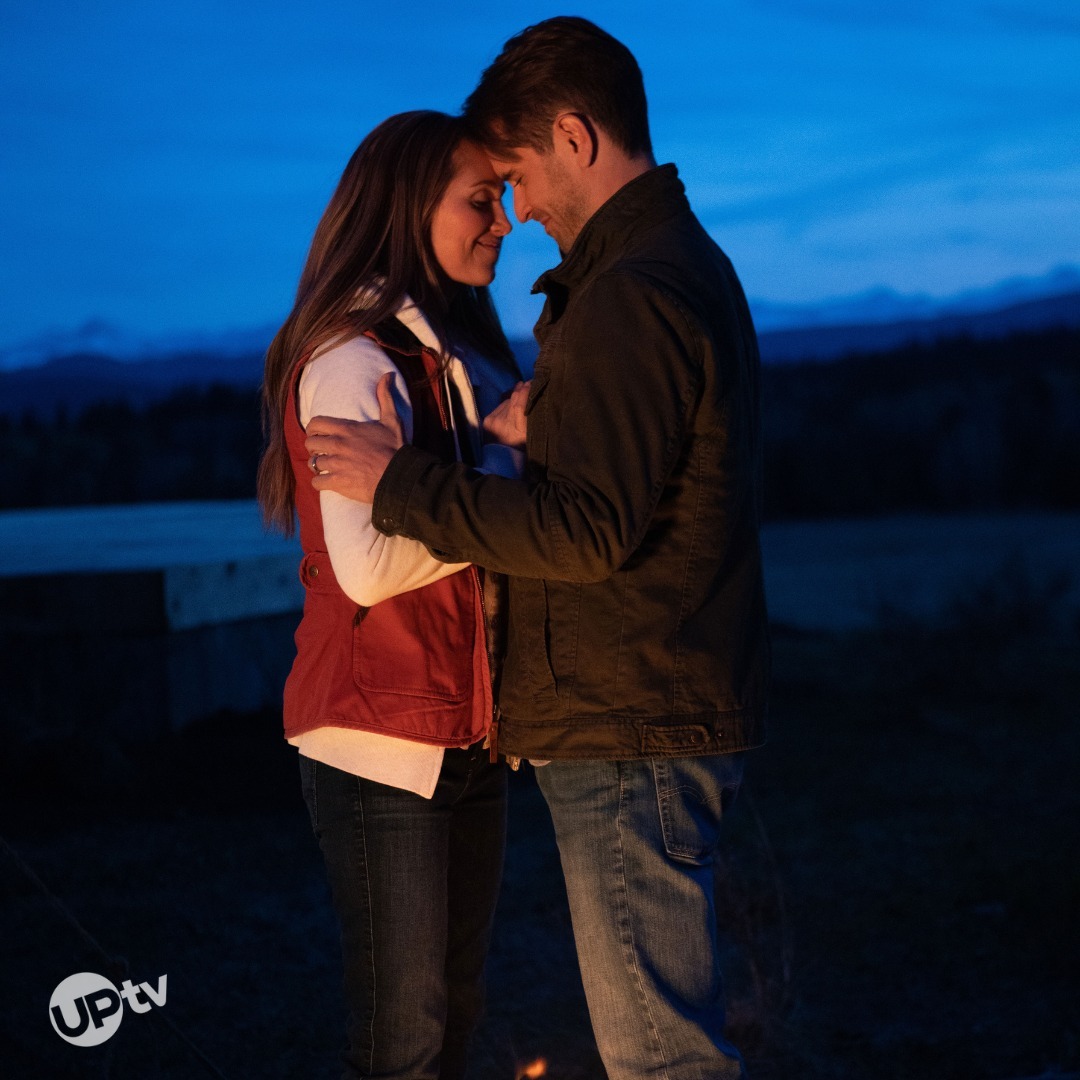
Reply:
x=532, y=1071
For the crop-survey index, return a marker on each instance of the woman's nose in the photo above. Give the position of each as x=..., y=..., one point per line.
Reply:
x=501, y=225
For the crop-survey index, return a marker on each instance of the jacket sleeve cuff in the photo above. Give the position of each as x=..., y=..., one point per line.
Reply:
x=392, y=495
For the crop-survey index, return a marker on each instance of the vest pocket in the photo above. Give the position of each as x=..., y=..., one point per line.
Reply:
x=316, y=573
x=419, y=643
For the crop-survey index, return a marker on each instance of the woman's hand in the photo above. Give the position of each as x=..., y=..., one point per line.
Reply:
x=506, y=422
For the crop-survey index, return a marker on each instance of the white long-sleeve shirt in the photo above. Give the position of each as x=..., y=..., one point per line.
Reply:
x=369, y=566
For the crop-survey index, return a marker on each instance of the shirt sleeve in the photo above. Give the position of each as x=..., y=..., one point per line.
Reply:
x=502, y=460
x=369, y=566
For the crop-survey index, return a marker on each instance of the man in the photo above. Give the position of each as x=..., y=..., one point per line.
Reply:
x=637, y=658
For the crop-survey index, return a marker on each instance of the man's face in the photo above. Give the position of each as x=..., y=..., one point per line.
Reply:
x=545, y=190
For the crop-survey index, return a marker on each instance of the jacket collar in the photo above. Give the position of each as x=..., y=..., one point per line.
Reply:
x=645, y=201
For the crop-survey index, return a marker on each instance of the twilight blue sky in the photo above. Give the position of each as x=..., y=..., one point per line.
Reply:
x=165, y=164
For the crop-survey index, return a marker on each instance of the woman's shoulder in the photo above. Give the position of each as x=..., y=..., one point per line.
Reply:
x=341, y=381
x=358, y=350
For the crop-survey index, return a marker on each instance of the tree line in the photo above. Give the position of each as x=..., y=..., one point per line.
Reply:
x=961, y=425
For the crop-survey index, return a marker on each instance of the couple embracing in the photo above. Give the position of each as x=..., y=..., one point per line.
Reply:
x=564, y=570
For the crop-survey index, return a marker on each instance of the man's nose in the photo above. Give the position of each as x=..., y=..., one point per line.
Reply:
x=522, y=210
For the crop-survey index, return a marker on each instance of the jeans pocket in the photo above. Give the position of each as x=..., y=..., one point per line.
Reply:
x=690, y=800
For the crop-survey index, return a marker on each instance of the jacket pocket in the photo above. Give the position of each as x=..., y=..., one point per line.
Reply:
x=529, y=633
x=538, y=384
x=536, y=410
x=419, y=643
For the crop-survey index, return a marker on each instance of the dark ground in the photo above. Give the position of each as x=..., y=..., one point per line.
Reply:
x=900, y=882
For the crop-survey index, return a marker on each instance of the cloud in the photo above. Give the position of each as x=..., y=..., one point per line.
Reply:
x=174, y=158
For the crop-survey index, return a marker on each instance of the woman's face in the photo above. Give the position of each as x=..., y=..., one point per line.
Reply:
x=469, y=221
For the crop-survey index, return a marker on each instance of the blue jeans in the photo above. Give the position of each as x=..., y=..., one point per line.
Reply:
x=636, y=839
x=414, y=883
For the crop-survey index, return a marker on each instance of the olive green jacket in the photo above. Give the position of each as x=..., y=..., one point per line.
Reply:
x=637, y=609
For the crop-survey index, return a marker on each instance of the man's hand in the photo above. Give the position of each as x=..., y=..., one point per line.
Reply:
x=506, y=423
x=350, y=456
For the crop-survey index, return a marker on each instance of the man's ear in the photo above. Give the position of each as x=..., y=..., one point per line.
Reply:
x=575, y=138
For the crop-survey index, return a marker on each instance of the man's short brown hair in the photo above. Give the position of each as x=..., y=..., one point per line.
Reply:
x=565, y=64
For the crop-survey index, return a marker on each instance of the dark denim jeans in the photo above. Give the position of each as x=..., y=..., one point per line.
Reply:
x=414, y=883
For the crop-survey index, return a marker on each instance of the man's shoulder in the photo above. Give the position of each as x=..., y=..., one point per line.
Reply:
x=678, y=266
x=675, y=249
x=688, y=270
x=638, y=284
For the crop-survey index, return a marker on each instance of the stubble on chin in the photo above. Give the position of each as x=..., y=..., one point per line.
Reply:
x=571, y=218
x=568, y=207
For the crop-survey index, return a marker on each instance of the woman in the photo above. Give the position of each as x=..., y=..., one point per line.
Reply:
x=390, y=696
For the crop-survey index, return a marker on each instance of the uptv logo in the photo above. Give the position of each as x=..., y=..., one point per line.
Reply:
x=86, y=1009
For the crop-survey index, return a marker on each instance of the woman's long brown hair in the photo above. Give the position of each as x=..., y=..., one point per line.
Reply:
x=374, y=239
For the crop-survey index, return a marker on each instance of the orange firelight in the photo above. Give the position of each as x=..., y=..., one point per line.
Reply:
x=533, y=1070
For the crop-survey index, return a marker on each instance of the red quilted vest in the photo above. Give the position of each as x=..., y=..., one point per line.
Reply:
x=414, y=665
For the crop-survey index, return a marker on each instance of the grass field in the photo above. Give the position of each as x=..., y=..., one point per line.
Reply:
x=899, y=885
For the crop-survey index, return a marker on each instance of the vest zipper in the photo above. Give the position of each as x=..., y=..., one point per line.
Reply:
x=446, y=415
x=429, y=354
x=491, y=743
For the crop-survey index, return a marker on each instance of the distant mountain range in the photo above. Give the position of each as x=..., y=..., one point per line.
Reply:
x=100, y=338
x=825, y=342
x=98, y=362
x=881, y=305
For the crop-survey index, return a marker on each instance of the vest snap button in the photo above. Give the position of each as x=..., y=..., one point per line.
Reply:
x=313, y=571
